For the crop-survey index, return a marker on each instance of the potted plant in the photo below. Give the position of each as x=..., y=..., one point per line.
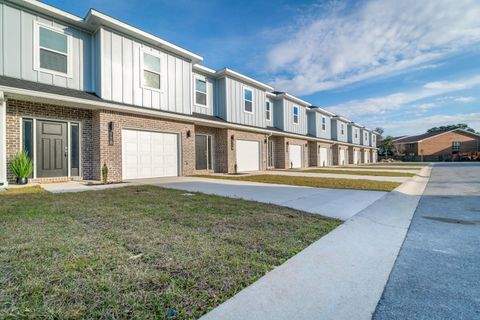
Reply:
x=21, y=166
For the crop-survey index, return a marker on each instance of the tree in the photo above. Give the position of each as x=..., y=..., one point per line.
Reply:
x=387, y=146
x=462, y=126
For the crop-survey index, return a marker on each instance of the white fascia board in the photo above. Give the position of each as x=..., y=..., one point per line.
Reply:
x=271, y=95
x=95, y=18
x=322, y=111
x=234, y=74
x=295, y=99
x=42, y=97
x=354, y=124
x=200, y=68
x=342, y=119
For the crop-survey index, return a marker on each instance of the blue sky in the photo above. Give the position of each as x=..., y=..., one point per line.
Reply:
x=402, y=65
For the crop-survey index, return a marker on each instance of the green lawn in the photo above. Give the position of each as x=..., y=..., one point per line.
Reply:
x=332, y=183
x=361, y=173
x=138, y=252
x=364, y=167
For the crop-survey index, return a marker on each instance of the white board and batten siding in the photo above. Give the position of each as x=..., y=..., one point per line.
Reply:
x=288, y=124
x=247, y=155
x=121, y=75
x=148, y=154
x=232, y=109
x=211, y=88
x=17, y=49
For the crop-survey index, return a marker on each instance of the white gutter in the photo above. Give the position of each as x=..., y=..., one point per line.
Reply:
x=294, y=99
x=37, y=96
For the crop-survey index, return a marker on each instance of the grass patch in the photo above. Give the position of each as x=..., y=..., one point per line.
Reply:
x=362, y=173
x=331, y=183
x=22, y=191
x=139, y=252
x=382, y=168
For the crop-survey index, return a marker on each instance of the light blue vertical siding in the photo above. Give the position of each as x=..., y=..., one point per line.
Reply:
x=337, y=130
x=288, y=125
x=235, y=104
x=351, y=134
x=365, y=140
x=18, y=51
x=278, y=113
x=312, y=123
x=315, y=125
x=211, y=90
x=121, y=75
x=221, y=98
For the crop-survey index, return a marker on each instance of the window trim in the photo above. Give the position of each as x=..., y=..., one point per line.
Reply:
x=269, y=111
x=244, y=100
x=204, y=79
x=342, y=129
x=142, y=69
x=324, y=123
x=298, y=114
x=36, y=47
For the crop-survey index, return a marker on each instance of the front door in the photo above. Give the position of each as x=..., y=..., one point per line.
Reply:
x=52, y=150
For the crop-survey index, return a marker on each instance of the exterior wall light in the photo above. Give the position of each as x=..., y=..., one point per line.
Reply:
x=189, y=133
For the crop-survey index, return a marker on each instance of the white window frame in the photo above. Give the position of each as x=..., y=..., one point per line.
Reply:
x=342, y=129
x=244, y=100
x=201, y=78
x=36, y=47
x=298, y=114
x=356, y=133
x=268, y=111
x=142, y=68
x=324, y=123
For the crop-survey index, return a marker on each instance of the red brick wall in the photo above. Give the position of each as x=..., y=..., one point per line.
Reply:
x=442, y=144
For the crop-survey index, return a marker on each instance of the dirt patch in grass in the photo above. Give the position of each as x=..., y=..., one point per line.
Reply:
x=331, y=183
x=139, y=252
x=362, y=173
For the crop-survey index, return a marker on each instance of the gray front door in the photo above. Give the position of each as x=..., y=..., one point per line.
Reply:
x=52, y=152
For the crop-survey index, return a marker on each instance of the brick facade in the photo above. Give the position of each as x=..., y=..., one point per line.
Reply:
x=16, y=110
x=314, y=153
x=351, y=158
x=441, y=145
x=336, y=156
x=245, y=135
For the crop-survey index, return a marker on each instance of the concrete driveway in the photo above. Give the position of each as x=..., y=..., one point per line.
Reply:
x=335, y=203
x=437, y=273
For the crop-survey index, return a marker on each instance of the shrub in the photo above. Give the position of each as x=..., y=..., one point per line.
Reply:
x=21, y=165
x=104, y=173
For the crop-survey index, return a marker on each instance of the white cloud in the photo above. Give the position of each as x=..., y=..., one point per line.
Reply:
x=395, y=101
x=464, y=99
x=376, y=38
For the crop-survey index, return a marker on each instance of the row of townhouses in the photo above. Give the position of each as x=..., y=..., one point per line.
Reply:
x=80, y=93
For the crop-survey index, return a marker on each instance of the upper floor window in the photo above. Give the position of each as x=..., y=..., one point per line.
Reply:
x=151, y=71
x=324, y=124
x=366, y=136
x=356, y=133
x=200, y=91
x=295, y=114
x=248, y=100
x=52, y=50
x=456, y=145
x=342, y=129
x=268, y=110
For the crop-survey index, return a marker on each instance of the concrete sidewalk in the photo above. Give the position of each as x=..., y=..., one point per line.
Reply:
x=342, y=275
x=335, y=203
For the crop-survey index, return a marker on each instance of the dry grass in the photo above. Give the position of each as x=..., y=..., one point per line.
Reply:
x=138, y=252
x=361, y=173
x=331, y=183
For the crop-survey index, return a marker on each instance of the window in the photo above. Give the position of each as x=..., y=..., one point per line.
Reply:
x=342, y=129
x=456, y=145
x=27, y=136
x=248, y=100
x=267, y=110
x=295, y=114
x=52, y=50
x=271, y=150
x=356, y=133
x=324, y=124
x=151, y=71
x=74, y=150
x=200, y=92
x=366, y=136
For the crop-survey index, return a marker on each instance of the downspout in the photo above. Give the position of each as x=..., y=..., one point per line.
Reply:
x=268, y=137
x=3, y=141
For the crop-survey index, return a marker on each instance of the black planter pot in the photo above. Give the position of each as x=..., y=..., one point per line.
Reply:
x=22, y=180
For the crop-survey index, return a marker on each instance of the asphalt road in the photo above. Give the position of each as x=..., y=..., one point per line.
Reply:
x=437, y=273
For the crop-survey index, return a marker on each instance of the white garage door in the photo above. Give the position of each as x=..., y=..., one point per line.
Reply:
x=355, y=157
x=148, y=154
x=323, y=157
x=375, y=156
x=248, y=155
x=295, y=152
x=366, y=157
x=341, y=157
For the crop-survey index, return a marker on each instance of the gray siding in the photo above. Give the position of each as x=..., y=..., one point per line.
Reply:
x=235, y=108
x=209, y=109
x=278, y=112
x=337, y=130
x=270, y=122
x=221, y=99
x=17, y=50
x=351, y=134
x=288, y=125
x=372, y=142
x=121, y=75
x=365, y=141
x=312, y=123
x=327, y=134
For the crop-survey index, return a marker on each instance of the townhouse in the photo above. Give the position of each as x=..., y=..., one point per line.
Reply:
x=79, y=94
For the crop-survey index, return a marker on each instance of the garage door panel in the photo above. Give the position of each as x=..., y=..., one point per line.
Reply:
x=295, y=152
x=149, y=154
x=323, y=157
x=247, y=155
